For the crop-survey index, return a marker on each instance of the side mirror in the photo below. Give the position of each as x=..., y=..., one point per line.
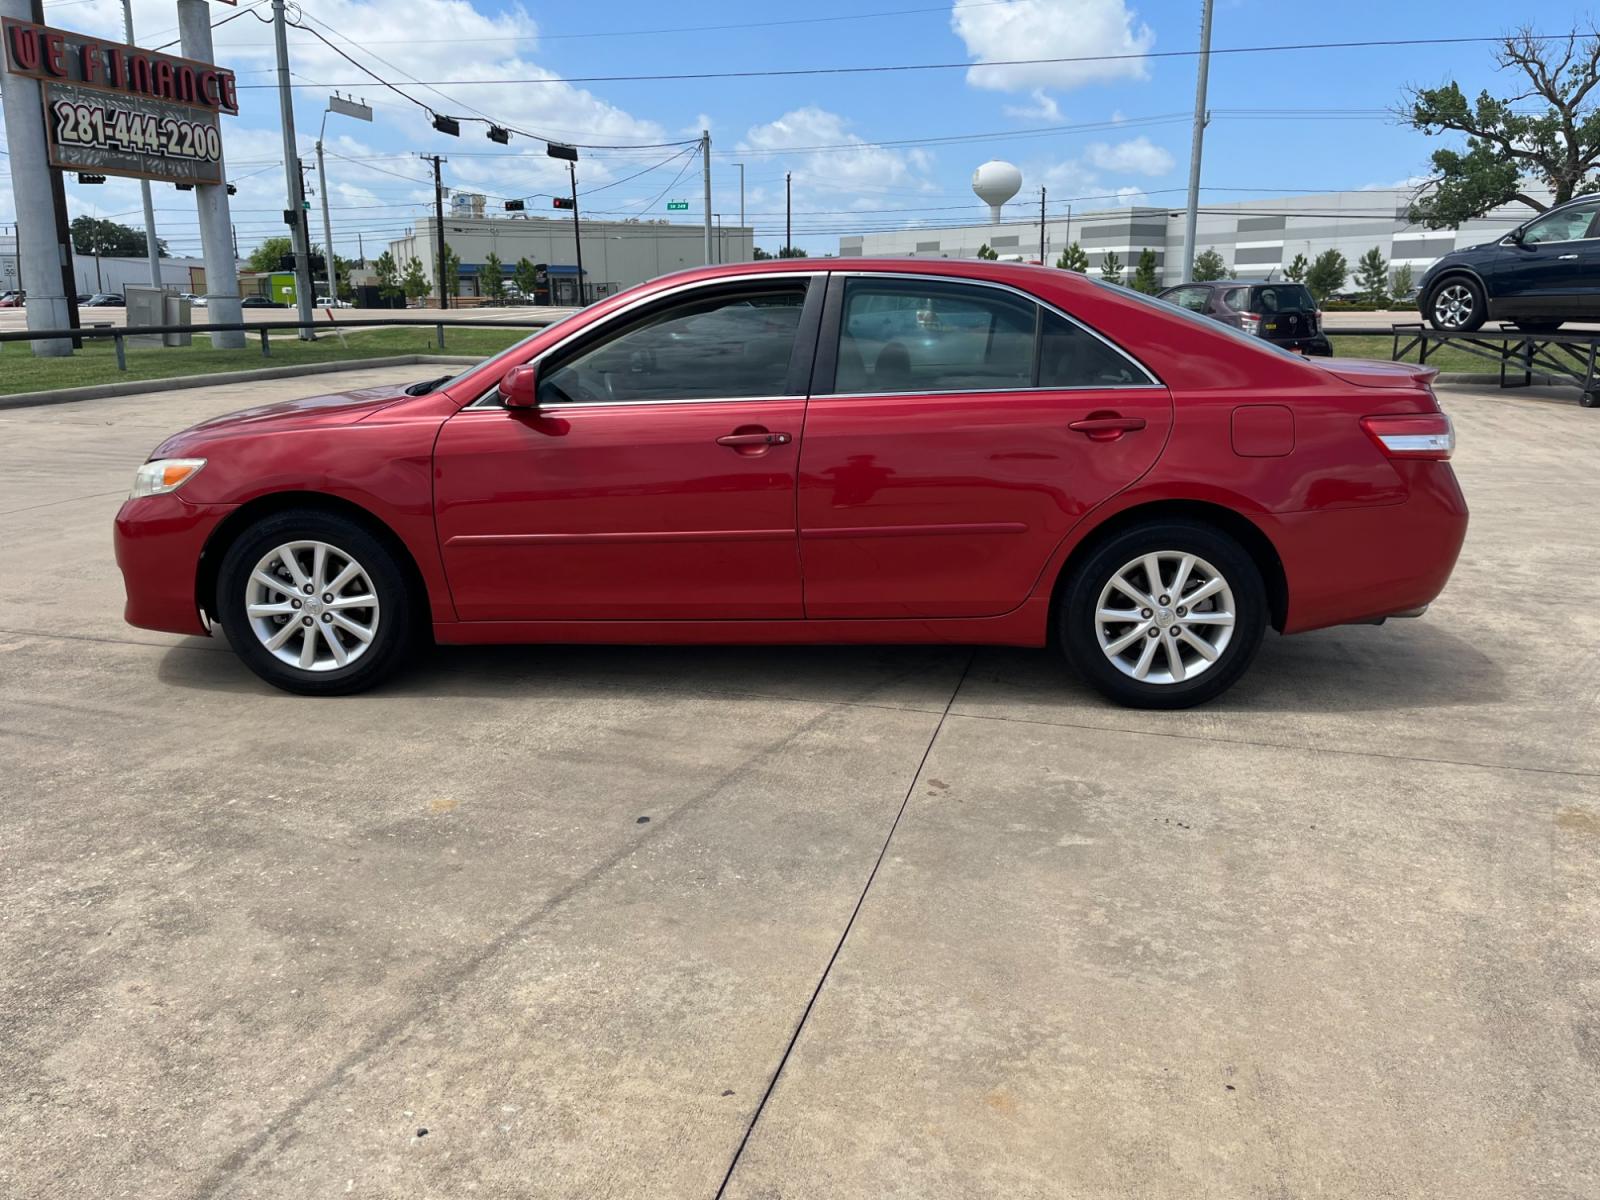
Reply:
x=519, y=387
x=1515, y=237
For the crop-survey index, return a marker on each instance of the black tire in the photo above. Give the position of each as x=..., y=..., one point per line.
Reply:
x=1079, y=630
x=393, y=620
x=1589, y=400
x=1538, y=326
x=1457, y=295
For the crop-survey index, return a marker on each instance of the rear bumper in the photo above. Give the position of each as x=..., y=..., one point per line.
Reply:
x=1352, y=565
x=1317, y=345
x=158, y=541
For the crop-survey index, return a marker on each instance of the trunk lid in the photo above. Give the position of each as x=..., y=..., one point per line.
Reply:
x=1372, y=373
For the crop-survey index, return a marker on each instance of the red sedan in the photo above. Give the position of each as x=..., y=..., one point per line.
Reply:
x=862, y=451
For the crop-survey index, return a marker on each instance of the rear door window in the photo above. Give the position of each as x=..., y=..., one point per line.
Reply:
x=1282, y=298
x=1192, y=298
x=901, y=335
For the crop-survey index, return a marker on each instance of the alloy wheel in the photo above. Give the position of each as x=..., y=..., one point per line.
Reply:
x=312, y=606
x=1453, y=305
x=1165, y=617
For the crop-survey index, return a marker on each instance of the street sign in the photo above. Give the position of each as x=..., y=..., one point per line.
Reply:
x=677, y=206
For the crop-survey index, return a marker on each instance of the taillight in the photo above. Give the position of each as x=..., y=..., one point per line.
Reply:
x=1413, y=435
x=1251, y=322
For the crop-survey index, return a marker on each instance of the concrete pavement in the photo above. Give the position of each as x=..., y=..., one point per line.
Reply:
x=598, y=922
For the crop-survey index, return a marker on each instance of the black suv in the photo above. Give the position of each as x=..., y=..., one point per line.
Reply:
x=1542, y=273
x=1283, y=313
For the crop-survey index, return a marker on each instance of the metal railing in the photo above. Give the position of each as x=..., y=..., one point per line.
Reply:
x=119, y=334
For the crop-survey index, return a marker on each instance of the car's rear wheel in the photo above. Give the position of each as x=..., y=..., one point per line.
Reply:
x=1164, y=615
x=1457, y=305
x=315, y=604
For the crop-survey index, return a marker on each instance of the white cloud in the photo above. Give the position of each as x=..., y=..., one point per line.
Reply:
x=1043, y=108
x=855, y=177
x=1138, y=156
x=1093, y=31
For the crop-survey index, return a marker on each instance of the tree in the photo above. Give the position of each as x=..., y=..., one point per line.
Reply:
x=1111, y=268
x=1400, y=288
x=1297, y=268
x=1372, y=276
x=452, y=272
x=984, y=251
x=93, y=236
x=526, y=277
x=414, y=283
x=1327, y=274
x=791, y=252
x=1146, y=275
x=761, y=254
x=389, y=289
x=492, y=277
x=269, y=253
x=1505, y=142
x=1074, y=259
x=1209, y=265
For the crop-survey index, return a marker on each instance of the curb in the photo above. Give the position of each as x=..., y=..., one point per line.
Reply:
x=1493, y=378
x=135, y=387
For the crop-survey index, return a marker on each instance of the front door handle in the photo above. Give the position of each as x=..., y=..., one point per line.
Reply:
x=1107, y=428
x=755, y=439
x=1565, y=257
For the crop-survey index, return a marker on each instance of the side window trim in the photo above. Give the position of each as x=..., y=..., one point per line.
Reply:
x=801, y=356
x=826, y=364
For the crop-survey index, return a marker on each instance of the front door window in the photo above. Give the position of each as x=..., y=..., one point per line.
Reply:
x=1568, y=225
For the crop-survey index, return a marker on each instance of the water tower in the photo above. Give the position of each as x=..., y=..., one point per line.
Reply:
x=996, y=182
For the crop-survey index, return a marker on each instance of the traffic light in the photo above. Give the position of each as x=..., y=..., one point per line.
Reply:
x=232, y=191
x=447, y=125
x=562, y=202
x=557, y=150
x=496, y=134
x=515, y=206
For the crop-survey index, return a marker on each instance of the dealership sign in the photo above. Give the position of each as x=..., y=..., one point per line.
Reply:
x=115, y=109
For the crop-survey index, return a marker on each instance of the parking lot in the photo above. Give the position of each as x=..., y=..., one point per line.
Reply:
x=756, y=922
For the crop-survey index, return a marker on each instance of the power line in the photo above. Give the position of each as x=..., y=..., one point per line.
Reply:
x=885, y=68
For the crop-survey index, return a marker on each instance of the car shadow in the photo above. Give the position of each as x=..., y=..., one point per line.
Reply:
x=1406, y=665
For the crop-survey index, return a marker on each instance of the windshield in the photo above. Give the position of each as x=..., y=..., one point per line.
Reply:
x=1282, y=298
x=1168, y=308
x=509, y=350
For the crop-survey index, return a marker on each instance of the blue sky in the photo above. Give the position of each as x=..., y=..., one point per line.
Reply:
x=1130, y=140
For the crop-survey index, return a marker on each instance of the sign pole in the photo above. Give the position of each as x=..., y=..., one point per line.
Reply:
x=291, y=171
x=152, y=246
x=38, y=252
x=705, y=167
x=211, y=201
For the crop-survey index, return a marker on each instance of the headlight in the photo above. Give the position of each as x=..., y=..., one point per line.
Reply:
x=164, y=475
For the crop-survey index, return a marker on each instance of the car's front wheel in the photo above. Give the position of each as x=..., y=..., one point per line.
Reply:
x=314, y=603
x=1457, y=305
x=1164, y=615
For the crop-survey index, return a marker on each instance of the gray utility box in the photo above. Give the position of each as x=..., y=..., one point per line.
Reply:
x=153, y=306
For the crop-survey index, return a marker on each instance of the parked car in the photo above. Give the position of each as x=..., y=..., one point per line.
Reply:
x=257, y=302
x=893, y=451
x=1538, y=276
x=194, y=300
x=13, y=299
x=330, y=302
x=1283, y=313
x=105, y=300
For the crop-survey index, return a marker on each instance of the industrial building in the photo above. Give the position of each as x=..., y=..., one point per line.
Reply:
x=103, y=273
x=1255, y=237
x=616, y=254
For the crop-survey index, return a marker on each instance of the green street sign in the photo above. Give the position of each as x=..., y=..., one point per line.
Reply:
x=677, y=206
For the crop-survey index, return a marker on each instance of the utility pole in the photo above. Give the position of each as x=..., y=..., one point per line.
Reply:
x=577, y=230
x=350, y=108
x=212, y=210
x=705, y=166
x=438, y=223
x=152, y=247
x=291, y=170
x=741, y=202
x=1041, y=227
x=788, y=213
x=1191, y=214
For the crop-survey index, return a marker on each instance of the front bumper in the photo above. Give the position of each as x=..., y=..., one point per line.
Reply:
x=158, y=541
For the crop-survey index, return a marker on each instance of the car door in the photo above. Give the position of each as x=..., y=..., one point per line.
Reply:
x=1548, y=271
x=656, y=479
x=956, y=432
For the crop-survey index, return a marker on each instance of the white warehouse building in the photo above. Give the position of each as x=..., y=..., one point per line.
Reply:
x=616, y=254
x=1256, y=238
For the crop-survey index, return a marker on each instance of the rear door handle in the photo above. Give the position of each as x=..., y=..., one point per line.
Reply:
x=1565, y=257
x=755, y=439
x=1107, y=429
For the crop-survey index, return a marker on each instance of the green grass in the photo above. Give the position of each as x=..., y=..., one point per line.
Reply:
x=1381, y=346
x=20, y=371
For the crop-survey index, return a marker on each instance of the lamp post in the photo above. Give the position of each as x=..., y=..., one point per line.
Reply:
x=361, y=112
